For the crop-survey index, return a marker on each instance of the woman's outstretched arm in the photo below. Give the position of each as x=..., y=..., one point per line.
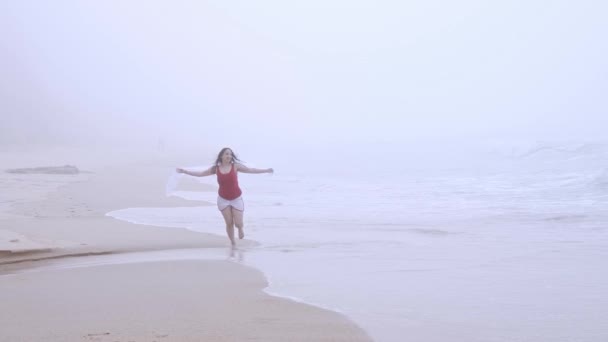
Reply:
x=210, y=171
x=245, y=169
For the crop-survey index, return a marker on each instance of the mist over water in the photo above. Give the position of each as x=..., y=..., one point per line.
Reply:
x=270, y=75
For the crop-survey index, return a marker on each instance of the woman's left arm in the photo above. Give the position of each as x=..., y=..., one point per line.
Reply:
x=245, y=169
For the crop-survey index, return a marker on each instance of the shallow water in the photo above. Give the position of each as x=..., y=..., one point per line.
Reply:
x=512, y=251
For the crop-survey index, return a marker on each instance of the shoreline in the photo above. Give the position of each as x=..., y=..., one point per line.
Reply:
x=69, y=222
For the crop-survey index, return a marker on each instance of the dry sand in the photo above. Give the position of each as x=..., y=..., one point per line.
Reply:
x=46, y=218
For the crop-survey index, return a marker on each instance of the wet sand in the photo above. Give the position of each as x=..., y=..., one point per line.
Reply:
x=46, y=219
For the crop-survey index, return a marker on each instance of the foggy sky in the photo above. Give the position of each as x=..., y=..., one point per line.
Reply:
x=257, y=72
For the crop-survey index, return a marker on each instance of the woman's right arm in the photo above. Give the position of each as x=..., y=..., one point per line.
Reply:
x=210, y=171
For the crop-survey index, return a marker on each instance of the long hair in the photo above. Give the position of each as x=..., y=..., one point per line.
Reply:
x=218, y=160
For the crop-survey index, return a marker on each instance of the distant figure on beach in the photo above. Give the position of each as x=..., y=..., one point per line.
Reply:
x=229, y=200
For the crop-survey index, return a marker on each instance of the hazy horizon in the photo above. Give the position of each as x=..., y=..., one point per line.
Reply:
x=217, y=73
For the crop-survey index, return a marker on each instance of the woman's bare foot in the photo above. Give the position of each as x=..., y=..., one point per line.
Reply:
x=241, y=233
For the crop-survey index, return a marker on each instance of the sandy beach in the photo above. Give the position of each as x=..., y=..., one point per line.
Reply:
x=50, y=221
x=410, y=171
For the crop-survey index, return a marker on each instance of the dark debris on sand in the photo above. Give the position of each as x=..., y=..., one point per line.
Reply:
x=59, y=170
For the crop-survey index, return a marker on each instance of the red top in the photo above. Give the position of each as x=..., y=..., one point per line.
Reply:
x=229, y=183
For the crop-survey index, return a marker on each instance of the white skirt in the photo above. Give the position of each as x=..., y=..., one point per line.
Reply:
x=236, y=203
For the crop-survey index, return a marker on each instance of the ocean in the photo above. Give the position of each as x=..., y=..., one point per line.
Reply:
x=506, y=244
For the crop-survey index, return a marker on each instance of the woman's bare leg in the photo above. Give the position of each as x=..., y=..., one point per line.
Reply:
x=227, y=213
x=237, y=217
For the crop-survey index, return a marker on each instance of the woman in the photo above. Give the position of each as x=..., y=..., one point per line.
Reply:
x=229, y=200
